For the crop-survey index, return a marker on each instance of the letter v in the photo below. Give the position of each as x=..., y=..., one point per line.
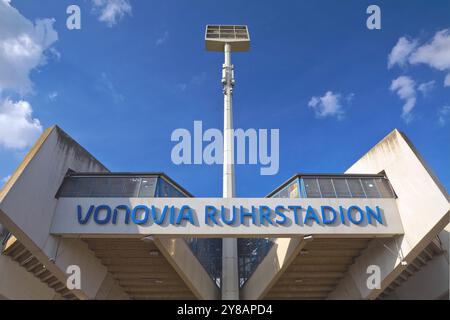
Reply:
x=88, y=214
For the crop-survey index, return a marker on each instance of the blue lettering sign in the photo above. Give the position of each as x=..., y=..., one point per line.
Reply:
x=256, y=215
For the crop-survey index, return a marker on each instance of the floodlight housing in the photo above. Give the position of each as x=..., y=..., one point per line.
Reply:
x=236, y=35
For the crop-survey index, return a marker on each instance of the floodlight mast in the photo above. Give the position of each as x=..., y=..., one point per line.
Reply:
x=230, y=263
x=228, y=38
x=228, y=150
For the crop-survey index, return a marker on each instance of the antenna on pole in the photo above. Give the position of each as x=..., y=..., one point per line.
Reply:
x=228, y=38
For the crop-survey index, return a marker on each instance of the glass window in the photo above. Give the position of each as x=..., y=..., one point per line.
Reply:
x=356, y=188
x=166, y=190
x=130, y=186
x=311, y=187
x=76, y=187
x=209, y=253
x=115, y=187
x=283, y=193
x=148, y=187
x=384, y=188
x=326, y=188
x=341, y=187
x=100, y=187
x=84, y=187
x=68, y=187
x=293, y=189
x=290, y=191
x=250, y=253
x=370, y=188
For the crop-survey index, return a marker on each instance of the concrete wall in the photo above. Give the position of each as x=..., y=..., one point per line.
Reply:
x=423, y=206
x=27, y=205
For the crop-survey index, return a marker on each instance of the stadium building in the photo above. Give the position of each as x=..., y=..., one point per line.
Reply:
x=41, y=238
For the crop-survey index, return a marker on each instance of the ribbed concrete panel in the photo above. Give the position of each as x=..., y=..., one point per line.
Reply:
x=317, y=269
x=21, y=255
x=433, y=250
x=140, y=269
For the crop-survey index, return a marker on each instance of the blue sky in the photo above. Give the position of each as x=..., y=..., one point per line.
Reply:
x=121, y=87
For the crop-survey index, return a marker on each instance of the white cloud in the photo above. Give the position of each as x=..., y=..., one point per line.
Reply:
x=195, y=81
x=53, y=95
x=426, y=87
x=329, y=105
x=182, y=86
x=435, y=53
x=447, y=80
x=444, y=115
x=18, y=129
x=162, y=39
x=349, y=98
x=405, y=88
x=23, y=47
x=111, y=11
x=105, y=85
x=399, y=54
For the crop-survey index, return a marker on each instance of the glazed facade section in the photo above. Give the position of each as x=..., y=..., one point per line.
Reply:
x=336, y=186
x=118, y=186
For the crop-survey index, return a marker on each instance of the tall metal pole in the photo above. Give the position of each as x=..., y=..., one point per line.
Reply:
x=230, y=272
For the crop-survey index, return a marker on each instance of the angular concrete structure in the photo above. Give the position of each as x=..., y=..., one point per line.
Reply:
x=338, y=269
x=27, y=206
x=34, y=263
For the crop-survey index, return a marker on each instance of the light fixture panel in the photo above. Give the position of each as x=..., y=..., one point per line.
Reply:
x=236, y=35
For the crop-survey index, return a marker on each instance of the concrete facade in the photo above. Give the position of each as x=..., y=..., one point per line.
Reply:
x=414, y=263
x=423, y=205
x=424, y=208
x=29, y=197
x=27, y=207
